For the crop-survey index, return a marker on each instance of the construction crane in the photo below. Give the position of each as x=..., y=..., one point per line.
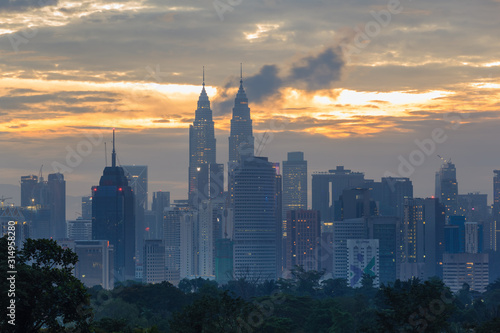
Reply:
x=3, y=199
x=444, y=161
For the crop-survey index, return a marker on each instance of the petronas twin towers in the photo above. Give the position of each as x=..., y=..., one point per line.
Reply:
x=206, y=177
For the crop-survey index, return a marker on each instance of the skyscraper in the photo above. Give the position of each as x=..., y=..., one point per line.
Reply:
x=161, y=200
x=423, y=238
x=294, y=182
x=57, y=205
x=137, y=176
x=202, y=154
x=241, y=140
x=327, y=188
x=303, y=239
x=113, y=217
x=28, y=184
x=255, y=219
x=447, y=187
x=495, y=238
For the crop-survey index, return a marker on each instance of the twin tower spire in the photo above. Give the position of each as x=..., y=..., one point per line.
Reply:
x=202, y=143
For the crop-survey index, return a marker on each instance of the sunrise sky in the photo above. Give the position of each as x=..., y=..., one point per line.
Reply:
x=340, y=80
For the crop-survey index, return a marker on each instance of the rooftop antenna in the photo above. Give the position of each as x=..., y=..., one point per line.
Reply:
x=105, y=154
x=113, y=154
x=241, y=72
x=203, y=75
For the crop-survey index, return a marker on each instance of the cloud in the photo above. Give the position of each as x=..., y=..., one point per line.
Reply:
x=310, y=73
x=21, y=5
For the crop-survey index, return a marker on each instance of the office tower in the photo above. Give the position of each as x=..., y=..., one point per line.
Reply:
x=278, y=197
x=355, y=203
x=28, y=184
x=452, y=242
x=189, y=245
x=137, y=176
x=87, y=207
x=362, y=258
x=95, y=263
x=241, y=140
x=472, y=237
x=495, y=228
x=57, y=203
x=223, y=260
x=153, y=262
x=459, y=222
x=394, y=192
x=423, y=238
x=38, y=218
x=172, y=241
x=294, y=182
x=387, y=230
x=79, y=229
x=303, y=240
x=474, y=206
x=255, y=219
x=342, y=231
x=203, y=184
x=161, y=200
x=447, y=187
x=113, y=217
x=470, y=268
x=327, y=188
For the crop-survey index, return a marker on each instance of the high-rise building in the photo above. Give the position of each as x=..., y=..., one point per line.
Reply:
x=447, y=187
x=473, y=237
x=355, y=203
x=161, y=200
x=28, y=184
x=394, y=192
x=154, y=261
x=79, y=229
x=303, y=240
x=189, y=244
x=113, y=217
x=362, y=258
x=342, y=231
x=294, y=182
x=327, y=187
x=387, y=230
x=495, y=229
x=137, y=176
x=255, y=219
x=278, y=198
x=172, y=241
x=423, y=237
x=470, y=268
x=57, y=203
x=95, y=263
x=203, y=185
x=223, y=260
x=241, y=139
x=87, y=207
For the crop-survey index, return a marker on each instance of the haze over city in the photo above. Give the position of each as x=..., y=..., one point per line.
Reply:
x=314, y=84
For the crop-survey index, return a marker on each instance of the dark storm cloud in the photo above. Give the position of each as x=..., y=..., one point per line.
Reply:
x=310, y=73
x=20, y=5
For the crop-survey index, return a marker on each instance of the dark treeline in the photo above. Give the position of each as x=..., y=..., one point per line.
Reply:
x=48, y=298
x=303, y=303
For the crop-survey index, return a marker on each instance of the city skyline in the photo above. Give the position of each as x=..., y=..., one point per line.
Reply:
x=365, y=107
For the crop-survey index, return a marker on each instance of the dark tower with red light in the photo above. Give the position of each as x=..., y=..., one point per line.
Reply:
x=113, y=217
